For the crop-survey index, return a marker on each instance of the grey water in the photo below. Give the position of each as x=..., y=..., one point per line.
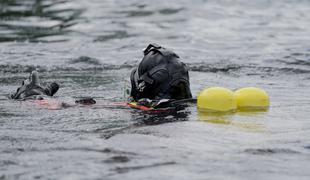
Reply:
x=89, y=48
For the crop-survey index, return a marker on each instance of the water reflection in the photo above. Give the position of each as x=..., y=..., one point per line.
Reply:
x=34, y=20
x=216, y=118
x=141, y=119
x=234, y=119
x=144, y=118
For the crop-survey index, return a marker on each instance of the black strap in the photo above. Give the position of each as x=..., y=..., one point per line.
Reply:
x=145, y=77
x=161, y=50
x=150, y=47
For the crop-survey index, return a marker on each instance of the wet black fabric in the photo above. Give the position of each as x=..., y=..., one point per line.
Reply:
x=31, y=87
x=160, y=75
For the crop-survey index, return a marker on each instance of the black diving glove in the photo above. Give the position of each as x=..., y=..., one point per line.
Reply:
x=31, y=87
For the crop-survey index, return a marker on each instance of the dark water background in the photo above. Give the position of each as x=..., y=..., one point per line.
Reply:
x=89, y=47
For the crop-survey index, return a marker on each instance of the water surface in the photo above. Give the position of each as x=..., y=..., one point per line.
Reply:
x=89, y=48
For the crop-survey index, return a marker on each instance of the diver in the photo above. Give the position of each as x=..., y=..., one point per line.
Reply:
x=160, y=78
x=32, y=89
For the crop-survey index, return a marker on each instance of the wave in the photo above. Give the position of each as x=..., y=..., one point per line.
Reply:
x=114, y=35
x=85, y=63
x=86, y=60
x=268, y=151
x=29, y=68
x=17, y=20
x=82, y=63
x=250, y=69
x=296, y=58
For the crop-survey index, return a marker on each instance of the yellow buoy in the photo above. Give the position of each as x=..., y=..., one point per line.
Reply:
x=216, y=99
x=252, y=98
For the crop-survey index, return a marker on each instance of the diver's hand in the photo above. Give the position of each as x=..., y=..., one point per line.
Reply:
x=31, y=87
x=51, y=89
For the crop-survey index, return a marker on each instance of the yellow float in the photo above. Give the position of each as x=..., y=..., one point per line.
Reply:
x=251, y=98
x=216, y=99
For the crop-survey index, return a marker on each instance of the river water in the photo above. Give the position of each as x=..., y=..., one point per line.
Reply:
x=89, y=48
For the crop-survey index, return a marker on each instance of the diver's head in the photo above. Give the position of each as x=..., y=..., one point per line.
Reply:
x=160, y=75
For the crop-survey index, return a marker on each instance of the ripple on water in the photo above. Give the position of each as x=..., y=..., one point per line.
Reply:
x=270, y=151
x=224, y=43
x=135, y=13
x=86, y=63
x=114, y=35
x=307, y=147
x=121, y=170
x=33, y=21
x=85, y=60
x=296, y=58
